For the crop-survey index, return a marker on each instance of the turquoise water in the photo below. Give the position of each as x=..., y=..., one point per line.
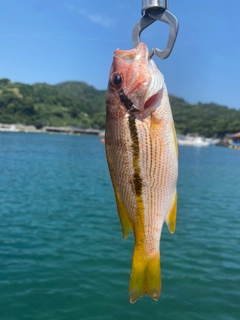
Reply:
x=62, y=255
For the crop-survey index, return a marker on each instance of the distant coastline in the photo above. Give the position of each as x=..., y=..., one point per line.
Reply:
x=75, y=104
x=50, y=129
x=231, y=140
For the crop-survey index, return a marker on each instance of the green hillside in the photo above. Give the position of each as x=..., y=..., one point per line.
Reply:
x=78, y=104
x=68, y=103
x=207, y=119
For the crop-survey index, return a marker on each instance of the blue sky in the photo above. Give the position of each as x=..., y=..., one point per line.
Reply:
x=58, y=40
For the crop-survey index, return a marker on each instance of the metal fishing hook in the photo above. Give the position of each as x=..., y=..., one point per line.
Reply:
x=156, y=10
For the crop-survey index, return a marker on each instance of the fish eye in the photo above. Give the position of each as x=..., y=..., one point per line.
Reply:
x=117, y=79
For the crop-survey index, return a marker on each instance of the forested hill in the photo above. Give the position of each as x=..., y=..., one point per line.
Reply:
x=41, y=104
x=78, y=104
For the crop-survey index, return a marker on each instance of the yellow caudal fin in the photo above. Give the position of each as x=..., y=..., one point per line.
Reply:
x=145, y=276
x=172, y=215
x=125, y=222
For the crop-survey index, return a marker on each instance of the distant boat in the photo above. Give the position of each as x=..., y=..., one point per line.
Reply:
x=212, y=141
x=193, y=141
x=8, y=128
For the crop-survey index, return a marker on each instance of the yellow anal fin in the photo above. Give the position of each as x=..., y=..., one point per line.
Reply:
x=172, y=215
x=125, y=222
x=175, y=138
x=145, y=276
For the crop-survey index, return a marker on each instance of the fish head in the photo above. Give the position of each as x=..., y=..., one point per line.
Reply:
x=135, y=83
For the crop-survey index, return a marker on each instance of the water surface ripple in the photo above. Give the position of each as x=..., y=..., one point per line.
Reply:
x=62, y=255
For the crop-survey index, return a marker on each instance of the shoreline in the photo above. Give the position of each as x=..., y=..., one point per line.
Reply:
x=4, y=127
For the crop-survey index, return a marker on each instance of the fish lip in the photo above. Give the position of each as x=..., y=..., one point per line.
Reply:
x=138, y=53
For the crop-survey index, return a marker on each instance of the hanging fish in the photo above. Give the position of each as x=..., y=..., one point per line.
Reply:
x=142, y=154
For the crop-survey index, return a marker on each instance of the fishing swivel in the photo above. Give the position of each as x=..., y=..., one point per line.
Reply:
x=154, y=10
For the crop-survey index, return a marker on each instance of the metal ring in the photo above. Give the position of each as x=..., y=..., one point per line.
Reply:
x=151, y=16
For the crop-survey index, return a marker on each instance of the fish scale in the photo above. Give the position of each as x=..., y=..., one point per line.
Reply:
x=141, y=151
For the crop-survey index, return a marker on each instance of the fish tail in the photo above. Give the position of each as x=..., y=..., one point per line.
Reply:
x=145, y=276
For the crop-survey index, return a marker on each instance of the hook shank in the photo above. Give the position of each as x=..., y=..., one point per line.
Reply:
x=149, y=4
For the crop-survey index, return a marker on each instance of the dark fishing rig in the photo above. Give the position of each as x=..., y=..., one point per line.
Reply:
x=156, y=10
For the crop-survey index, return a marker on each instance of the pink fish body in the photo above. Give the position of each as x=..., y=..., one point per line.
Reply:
x=142, y=154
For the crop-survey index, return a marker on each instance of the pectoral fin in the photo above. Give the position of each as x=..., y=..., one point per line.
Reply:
x=125, y=222
x=172, y=215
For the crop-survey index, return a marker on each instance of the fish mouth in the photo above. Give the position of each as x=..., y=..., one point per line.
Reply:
x=140, y=53
x=153, y=100
x=156, y=85
x=149, y=106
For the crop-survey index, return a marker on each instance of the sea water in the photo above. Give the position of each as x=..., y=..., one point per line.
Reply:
x=62, y=255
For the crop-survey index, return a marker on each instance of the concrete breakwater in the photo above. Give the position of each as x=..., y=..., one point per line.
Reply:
x=49, y=129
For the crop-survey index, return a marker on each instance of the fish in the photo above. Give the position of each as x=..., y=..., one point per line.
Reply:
x=142, y=155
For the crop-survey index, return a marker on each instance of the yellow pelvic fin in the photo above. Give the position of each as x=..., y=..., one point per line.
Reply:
x=125, y=222
x=172, y=215
x=145, y=276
